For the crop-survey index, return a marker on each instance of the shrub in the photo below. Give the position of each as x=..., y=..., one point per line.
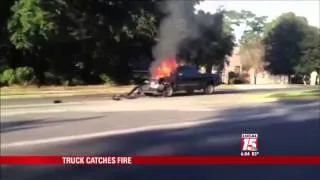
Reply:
x=52, y=79
x=297, y=79
x=232, y=75
x=24, y=75
x=236, y=80
x=66, y=82
x=73, y=82
x=8, y=77
x=106, y=79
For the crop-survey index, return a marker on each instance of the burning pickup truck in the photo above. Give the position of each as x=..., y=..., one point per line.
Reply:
x=169, y=78
x=185, y=78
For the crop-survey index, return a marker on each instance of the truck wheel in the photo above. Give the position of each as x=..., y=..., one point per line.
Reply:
x=168, y=91
x=209, y=89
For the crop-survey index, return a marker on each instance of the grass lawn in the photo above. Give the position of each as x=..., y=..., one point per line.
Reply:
x=306, y=94
x=290, y=95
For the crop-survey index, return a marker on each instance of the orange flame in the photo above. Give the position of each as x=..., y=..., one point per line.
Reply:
x=166, y=68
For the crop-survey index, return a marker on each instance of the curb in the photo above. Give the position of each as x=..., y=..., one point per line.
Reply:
x=58, y=95
x=69, y=93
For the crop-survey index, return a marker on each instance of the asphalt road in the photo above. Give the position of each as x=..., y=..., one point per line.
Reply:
x=193, y=125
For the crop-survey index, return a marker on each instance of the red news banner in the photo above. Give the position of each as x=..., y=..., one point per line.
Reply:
x=158, y=160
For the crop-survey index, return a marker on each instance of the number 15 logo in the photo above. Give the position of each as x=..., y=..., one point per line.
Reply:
x=249, y=144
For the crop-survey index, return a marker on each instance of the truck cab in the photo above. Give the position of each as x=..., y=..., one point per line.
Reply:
x=185, y=78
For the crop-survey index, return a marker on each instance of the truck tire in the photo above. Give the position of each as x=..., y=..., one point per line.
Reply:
x=168, y=91
x=209, y=89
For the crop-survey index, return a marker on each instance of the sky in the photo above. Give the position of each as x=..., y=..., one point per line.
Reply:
x=307, y=8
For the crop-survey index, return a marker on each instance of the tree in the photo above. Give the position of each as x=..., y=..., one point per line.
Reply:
x=282, y=43
x=251, y=45
x=253, y=24
x=9, y=56
x=29, y=24
x=72, y=42
x=310, y=45
x=82, y=39
x=30, y=27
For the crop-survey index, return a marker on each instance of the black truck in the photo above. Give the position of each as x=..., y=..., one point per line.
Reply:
x=186, y=78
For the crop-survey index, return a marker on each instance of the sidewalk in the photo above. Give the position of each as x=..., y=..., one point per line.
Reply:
x=34, y=92
x=271, y=86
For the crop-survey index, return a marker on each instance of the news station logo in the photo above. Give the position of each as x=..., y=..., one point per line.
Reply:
x=249, y=145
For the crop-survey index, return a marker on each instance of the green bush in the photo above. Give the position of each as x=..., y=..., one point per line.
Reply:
x=8, y=77
x=77, y=81
x=66, y=83
x=24, y=75
x=232, y=75
x=106, y=79
x=52, y=79
x=73, y=82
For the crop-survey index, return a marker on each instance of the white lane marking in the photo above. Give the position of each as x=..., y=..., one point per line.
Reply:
x=108, y=133
x=123, y=131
